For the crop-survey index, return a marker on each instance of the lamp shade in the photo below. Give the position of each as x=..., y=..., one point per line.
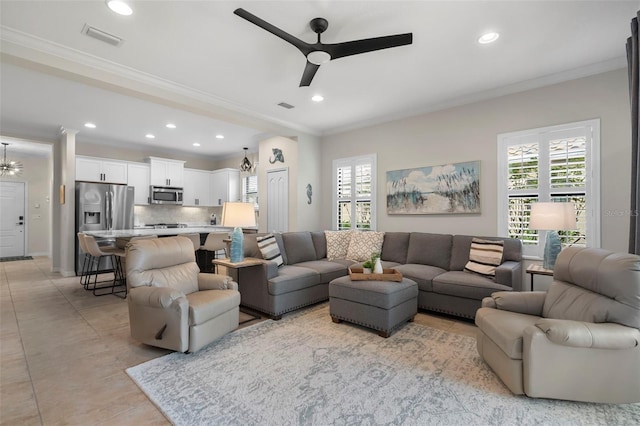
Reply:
x=553, y=216
x=238, y=215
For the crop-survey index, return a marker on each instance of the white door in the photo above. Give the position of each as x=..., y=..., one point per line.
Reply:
x=278, y=200
x=12, y=220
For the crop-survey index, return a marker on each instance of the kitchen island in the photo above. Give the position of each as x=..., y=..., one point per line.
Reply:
x=161, y=232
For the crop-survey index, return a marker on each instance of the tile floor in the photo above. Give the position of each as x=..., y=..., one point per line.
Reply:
x=63, y=352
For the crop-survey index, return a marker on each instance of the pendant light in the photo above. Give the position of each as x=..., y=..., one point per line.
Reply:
x=9, y=168
x=246, y=165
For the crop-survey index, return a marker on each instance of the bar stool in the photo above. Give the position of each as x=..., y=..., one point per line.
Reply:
x=214, y=244
x=86, y=263
x=116, y=254
x=195, y=239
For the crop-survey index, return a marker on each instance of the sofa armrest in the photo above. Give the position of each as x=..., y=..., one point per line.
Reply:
x=509, y=273
x=580, y=334
x=157, y=297
x=271, y=269
x=216, y=282
x=530, y=302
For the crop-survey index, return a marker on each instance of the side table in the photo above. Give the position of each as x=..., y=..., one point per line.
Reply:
x=238, y=266
x=537, y=269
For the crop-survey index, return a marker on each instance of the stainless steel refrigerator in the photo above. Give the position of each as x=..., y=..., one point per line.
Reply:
x=102, y=207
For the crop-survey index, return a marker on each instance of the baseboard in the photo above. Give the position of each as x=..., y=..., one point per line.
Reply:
x=40, y=254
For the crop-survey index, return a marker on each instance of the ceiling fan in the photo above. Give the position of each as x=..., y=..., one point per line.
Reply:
x=320, y=53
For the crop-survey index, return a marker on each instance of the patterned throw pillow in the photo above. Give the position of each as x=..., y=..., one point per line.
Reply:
x=484, y=257
x=337, y=244
x=269, y=248
x=363, y=244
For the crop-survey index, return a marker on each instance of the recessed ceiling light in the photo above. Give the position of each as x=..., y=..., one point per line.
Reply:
x=219, y=136
x=171, y=126
x=317, y=98
x=488, y=38
x=90, y=125
x=196, y=144
x=120, y=7
x=149, y=136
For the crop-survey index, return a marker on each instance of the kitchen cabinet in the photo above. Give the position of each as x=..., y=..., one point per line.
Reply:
x=225, y=186
x=197, y=188
x=165, y=172
x=138, y=177
x=91, y=169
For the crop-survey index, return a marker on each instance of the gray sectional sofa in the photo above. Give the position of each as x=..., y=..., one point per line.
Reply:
x=434, y=261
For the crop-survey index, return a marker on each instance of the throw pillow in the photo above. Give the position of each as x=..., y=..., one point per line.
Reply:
x=337, y=244
x=484, y=257
x=363, y=244
x=269, y=248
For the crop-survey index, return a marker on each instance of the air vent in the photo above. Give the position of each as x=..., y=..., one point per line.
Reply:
x=286, y=105
x=101, y=35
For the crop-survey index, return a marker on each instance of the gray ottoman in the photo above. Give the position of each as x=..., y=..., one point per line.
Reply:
x=380, y=305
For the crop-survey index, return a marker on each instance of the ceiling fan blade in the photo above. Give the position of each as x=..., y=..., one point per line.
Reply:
x=340, y=50
x=301, y=45
x=309, y=71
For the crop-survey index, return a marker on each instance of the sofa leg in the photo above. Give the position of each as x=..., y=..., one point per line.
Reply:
x=276, y=317
x=384, y=334
x=336, y=320
x=411, y=319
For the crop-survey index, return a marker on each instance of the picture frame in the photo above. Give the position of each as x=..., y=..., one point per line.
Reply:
x=444, y=189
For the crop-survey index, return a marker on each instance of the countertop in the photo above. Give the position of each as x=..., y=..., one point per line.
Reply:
x=139, y=232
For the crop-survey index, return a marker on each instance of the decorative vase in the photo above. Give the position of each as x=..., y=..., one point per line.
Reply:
x=377, y=268
x=237, y=245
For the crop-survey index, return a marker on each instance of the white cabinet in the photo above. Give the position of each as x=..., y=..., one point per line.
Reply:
x=225, y=186
x=197, y=188
x=165, y=172
x=92, y=169
x=138, y=177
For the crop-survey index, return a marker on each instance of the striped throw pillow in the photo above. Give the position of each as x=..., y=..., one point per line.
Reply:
x=269, y=248
x=484, y=257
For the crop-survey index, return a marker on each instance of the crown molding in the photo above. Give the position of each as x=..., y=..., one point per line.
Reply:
x=20, y=44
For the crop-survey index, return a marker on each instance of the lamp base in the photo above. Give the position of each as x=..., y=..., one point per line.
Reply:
x=237, y=245
x=552, y=248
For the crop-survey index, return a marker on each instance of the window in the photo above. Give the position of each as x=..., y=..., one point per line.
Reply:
x=556, y=163
x=354, y=203
x=250, y=190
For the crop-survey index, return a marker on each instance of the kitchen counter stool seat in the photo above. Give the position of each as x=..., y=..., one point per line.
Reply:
x=97, y=253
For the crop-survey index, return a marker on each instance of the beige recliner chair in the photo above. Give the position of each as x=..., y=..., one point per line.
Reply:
x=171, y=304
x=579, y=341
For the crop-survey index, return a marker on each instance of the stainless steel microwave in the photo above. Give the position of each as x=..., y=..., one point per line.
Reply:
x=166, y=195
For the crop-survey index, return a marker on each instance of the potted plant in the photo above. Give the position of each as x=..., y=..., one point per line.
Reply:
x=367, y=267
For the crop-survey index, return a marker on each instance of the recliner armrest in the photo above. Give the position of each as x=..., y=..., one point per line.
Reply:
x=509, y=273
x=530, y=302
x=580, y=334
x=216, y=282
x=156, y=297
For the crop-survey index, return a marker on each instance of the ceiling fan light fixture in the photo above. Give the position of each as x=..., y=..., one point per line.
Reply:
x=119, y=7
x=488, y=38
x=245, y=165
x=318, y=57
x=317, y=98
x=9, y=168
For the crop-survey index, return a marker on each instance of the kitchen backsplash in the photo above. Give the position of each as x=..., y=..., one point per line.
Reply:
x=175, y=214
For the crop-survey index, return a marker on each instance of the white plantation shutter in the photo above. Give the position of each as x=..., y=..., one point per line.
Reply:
x=354, y=194
x=250, y=190
x=549, y=164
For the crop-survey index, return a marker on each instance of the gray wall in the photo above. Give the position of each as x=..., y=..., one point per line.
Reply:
x=469, y=132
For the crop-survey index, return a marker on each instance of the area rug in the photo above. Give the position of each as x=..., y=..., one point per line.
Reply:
x=306, y=370
x=12, y=258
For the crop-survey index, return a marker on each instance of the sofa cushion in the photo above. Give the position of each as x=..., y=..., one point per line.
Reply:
x=250, y=245
x=395, y=246
x=505, y=328
x=363, y=244
x=484, y=257
x=421, y=274
x=269, y=248
x=337, y=244
x=299, y=247
x=292, y=278
x=209, y=304
x=467, y=285
x=328, y=270
x=430, y=249
x=320, y=244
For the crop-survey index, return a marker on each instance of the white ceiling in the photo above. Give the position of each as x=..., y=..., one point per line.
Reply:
x=207, y=70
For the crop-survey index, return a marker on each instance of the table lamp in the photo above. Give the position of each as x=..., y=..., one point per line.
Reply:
x=237, y=215
x=552, y=217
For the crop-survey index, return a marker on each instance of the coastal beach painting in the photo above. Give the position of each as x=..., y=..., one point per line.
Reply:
x=445, y=189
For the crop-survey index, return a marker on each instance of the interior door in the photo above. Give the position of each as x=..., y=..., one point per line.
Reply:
x=12, y=219
x=278, y=200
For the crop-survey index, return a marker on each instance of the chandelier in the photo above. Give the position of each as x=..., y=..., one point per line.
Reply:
x=245, y=165
x=9, y=168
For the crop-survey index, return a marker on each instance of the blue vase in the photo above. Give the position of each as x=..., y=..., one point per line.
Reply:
x=552, y=248
x=237, y=245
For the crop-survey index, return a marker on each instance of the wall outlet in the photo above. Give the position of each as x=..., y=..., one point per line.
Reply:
x=36, y=216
